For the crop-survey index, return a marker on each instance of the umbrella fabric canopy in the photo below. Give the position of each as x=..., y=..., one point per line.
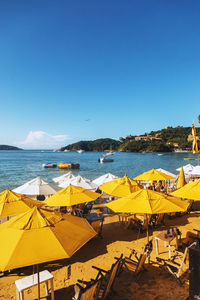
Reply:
x=39, y=236
x=148, y=202
x=189, y=191
x=195, y=172
x=153, y=175
x=166, y=172
x=12, y=203
x=37, y=186
x=104, y=178
x=187, y=169
x=120, y=187
x=181, y=179
x=60, y=179
x=81, y=182
x=71, y=195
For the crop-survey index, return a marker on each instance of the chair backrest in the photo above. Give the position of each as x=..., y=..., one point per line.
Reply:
x=87, y=293
x=184, y=266
x=111, y=276
x=141, y=262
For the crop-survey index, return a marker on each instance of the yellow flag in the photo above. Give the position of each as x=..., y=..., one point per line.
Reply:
x=194, y=144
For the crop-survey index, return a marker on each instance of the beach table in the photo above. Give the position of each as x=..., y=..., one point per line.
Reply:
x=32, y=280
x=166, y=239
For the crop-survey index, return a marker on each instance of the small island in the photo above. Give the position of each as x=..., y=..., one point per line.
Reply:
x=6, y=147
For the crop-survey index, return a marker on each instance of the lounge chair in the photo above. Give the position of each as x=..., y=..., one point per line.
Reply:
x=86, y=290
x=129, y=221
x=107, y=278
x=134, y=266
x=177, y=269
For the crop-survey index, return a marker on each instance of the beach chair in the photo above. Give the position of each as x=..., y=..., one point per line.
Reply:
x=86, y=290
x=175, y=268
x=134, y=266
x=107, y=278
x=157, y=220
x=128, y=221
x=97, y=225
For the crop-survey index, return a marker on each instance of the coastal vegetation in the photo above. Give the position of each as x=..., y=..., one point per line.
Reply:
x=165, y=140
x=6, y=147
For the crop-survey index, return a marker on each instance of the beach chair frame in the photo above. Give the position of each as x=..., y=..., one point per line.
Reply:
x=86, y=290
x=134, y=266
x=108, y=278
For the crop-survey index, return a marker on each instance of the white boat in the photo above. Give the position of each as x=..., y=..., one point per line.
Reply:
x=110, y=153
x=80, y=151
x=104, y=159
x=66, y=150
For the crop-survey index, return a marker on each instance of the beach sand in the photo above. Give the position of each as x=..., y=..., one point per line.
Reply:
x=154, y=283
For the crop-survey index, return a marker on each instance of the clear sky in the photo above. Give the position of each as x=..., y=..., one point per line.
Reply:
x=76, y=70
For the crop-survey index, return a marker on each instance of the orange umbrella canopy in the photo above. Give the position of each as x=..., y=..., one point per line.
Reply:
x=153, y=175
x=39, y=236
x=120, y=187
x=71, y=195
x=12, y=203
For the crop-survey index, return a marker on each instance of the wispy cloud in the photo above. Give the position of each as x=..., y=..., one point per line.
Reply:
x=43, y=140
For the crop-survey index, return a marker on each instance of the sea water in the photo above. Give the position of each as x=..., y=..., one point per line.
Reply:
x=18, y=167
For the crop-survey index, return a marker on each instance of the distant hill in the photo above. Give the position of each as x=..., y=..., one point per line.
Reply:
x=6, y=147
x=165, y=140
x=96, y=145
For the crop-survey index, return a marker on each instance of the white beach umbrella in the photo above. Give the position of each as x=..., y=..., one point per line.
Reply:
x=37, y=186
x=166, y=172
x=104, y=178
x=195, y=172
x=187, y=169
x=64, y=177
x=80, y=181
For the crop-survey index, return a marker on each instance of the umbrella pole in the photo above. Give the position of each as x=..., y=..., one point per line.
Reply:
x=147, y=228
x=38, y=281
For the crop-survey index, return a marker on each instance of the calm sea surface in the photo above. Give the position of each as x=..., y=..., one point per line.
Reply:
x=18, y=167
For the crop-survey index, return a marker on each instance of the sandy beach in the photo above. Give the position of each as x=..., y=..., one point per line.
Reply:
x=154, y=283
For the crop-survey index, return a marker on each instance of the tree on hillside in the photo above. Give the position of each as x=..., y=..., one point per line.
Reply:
x=199, y=118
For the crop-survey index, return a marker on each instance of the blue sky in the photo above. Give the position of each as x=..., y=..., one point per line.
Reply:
x=79, y=70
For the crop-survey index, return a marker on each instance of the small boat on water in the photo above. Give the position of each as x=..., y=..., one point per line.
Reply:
x=104, y=159
x=80, y=151
x=49, y=165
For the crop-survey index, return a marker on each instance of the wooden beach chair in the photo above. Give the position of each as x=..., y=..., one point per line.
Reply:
x=107, y=278
x=177, y=269
x=86, y=290
x=134, y=266
x=130, y=221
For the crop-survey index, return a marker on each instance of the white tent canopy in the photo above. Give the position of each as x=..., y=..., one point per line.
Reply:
x=104, y=178
x=64, y=177
x=80, y=181
x=37, y=186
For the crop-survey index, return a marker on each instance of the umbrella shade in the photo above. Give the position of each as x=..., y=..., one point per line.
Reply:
x=12, y=203
x=37, y=186
x=39, y=236
x=71, y=195
x=181, y=179
x=195, y=172
x=167, y=172
x=148, y=202
x=189, y=191
x=104, y=178
x=153, y=175
x=120, y=187
x=64, y=177
x=81, y=182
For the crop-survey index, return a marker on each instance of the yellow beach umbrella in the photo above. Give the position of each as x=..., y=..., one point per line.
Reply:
x=148, y=202
x=189, y=191
x=153, y=175
x=12, y=203
x=39, y=236
x=120, y=187
x=71, y=195
x=181, y=179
